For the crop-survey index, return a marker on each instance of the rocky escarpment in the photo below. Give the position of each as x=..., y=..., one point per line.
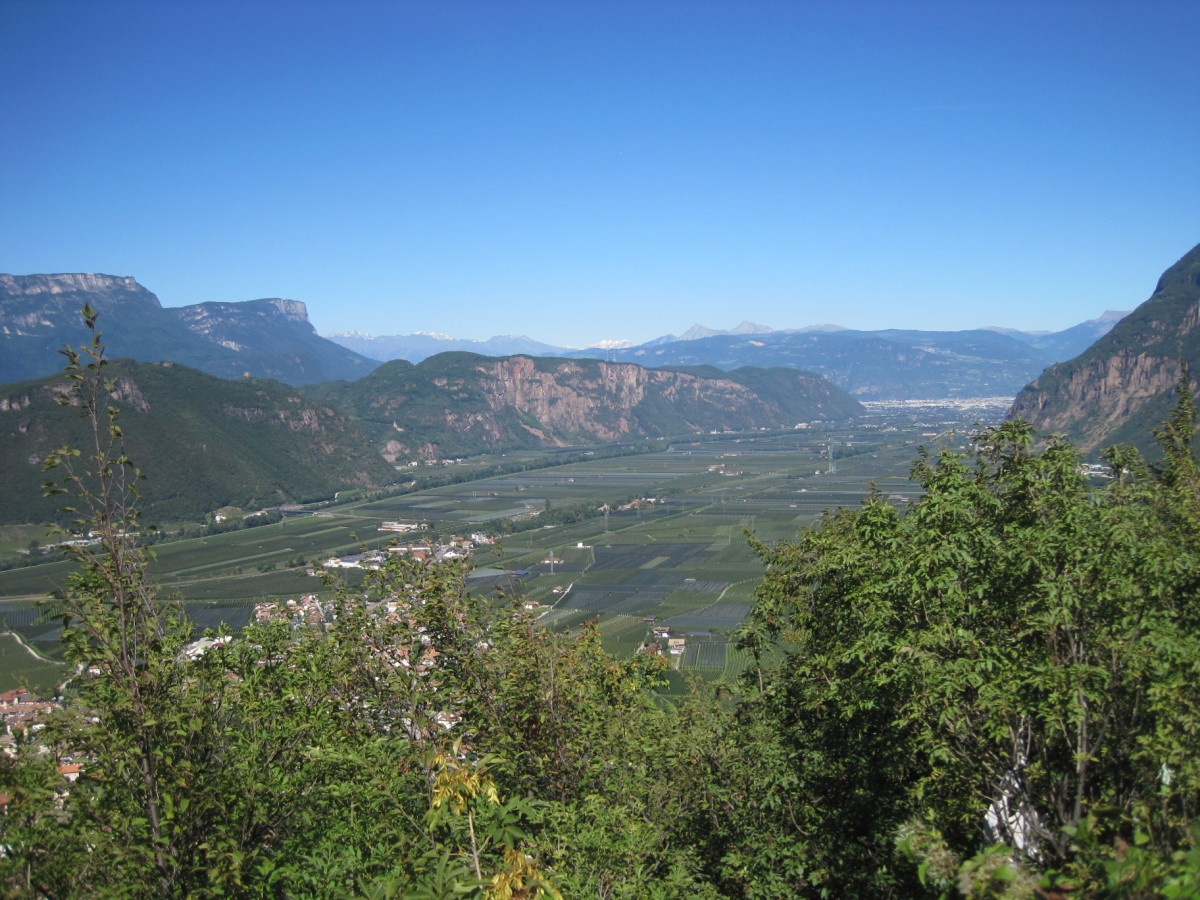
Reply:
x=67, y=284
x=459, y=403
x=1122, y=386
x=603, y=401
x=1092, y=402
x=42, y=304
x=270, y=338
x=217, y=320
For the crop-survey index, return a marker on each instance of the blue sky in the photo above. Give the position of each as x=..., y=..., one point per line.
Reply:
x=580, y=171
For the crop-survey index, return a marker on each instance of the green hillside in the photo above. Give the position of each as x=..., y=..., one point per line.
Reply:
x=209, y=443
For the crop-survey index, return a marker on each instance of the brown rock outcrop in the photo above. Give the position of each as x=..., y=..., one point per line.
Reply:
x=1122, y=386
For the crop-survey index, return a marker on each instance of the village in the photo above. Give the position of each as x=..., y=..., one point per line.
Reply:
x=24, y=716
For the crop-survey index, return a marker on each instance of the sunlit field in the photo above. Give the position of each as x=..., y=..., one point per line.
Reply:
x=670, y=551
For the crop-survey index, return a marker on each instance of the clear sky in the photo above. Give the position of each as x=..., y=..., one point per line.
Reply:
x=581, y=171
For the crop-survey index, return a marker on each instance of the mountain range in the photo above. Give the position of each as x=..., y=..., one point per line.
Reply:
x=242, y=440
x=222, y=421
x=269, y=338
x=272, y=338
x=871, y=365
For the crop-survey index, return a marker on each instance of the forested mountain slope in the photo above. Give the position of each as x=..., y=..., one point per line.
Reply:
x=208, y=441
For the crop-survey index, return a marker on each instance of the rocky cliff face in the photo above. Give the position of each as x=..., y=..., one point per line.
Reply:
x=244, y=327
x=460, y=403
x=54, y=285
x=40, y=304
x=1092, y=401
x=204, y=318
x=602, y=403
x=1122, y=385
x=270, y=338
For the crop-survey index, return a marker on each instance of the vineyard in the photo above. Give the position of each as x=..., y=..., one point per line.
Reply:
x=656, y=539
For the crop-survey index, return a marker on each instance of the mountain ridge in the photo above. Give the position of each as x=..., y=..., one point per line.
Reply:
x=272, y=338
x=886, y=364
x=458, y=403
x=1122, y=386
x=266, y=338
x=207, y=441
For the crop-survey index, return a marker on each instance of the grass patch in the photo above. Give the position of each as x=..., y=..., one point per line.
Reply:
x=20, y=668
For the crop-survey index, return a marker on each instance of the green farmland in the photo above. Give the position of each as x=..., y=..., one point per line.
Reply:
x=677, y=559
x=21, y=667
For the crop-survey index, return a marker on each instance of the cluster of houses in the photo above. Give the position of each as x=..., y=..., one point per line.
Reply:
x=638, y=503
x=20, y=712
x=662, y=635
x=719, y=469
x=454, y=547
x=22, y=715
x=402, y=527
x=308, y=610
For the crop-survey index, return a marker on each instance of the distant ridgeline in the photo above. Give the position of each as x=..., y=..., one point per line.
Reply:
x=264, y=338
x=422, y=345
x=1123, y=385
x=883, y=365
x=870, y=365
x=232, y=440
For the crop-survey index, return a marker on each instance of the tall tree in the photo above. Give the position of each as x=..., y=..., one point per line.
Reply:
x=993, y=666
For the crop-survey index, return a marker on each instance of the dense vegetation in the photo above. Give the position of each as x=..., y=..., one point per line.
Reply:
x=212, y=443
x=1018, y=642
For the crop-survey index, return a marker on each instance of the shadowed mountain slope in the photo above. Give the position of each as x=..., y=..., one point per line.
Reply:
x=205, y=442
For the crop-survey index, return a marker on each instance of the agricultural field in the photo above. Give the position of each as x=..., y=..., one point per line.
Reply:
x=663, y=543
x=17, y=539
x=20, y=667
